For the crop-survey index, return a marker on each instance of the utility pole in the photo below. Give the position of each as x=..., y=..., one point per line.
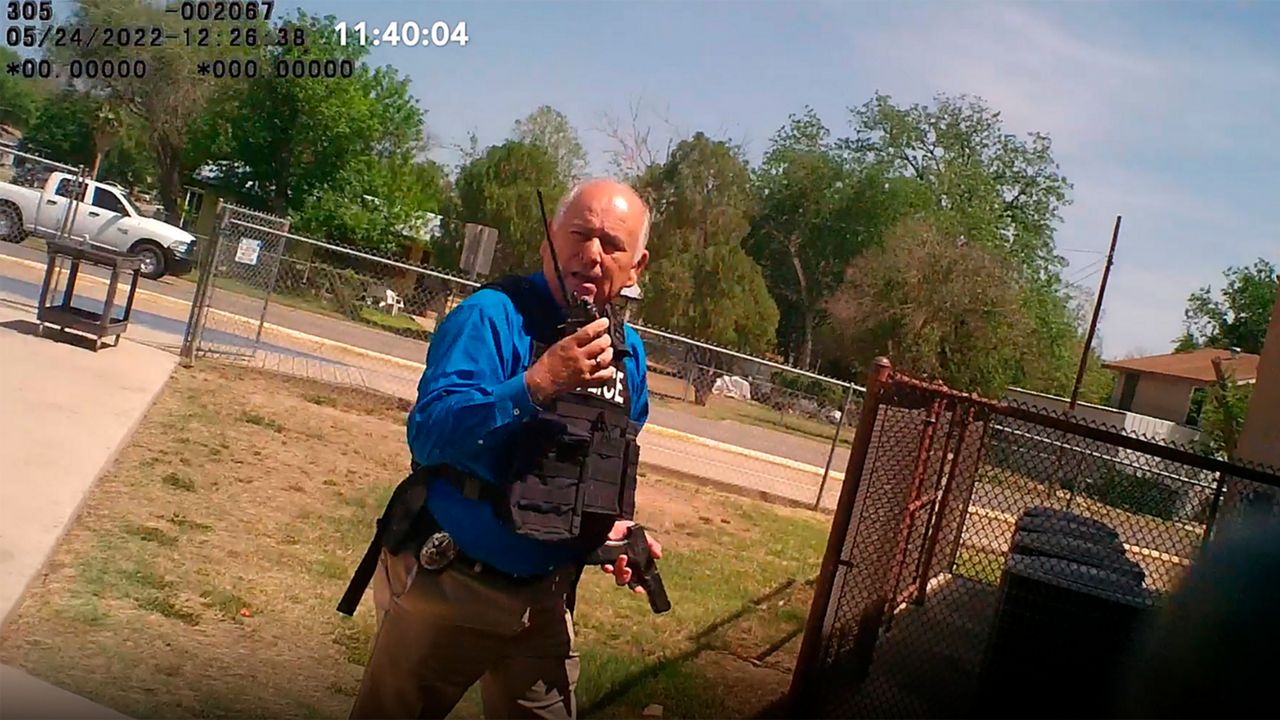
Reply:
x=1093, y=324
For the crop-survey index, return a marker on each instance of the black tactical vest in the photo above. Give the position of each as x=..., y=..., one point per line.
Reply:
x=573, y=468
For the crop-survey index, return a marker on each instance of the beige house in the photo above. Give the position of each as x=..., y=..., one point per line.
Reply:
x=1163, y=385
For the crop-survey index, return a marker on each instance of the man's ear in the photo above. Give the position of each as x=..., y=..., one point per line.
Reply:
x=642, y=261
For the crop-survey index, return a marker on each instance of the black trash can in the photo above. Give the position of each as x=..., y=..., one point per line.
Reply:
x=1072, y=526
x=1105, y=555
x=1061, y=632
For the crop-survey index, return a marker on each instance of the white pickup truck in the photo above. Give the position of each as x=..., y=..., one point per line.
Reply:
x=104, y=216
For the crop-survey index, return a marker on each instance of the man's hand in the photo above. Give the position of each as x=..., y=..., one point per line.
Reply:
x=621, y=573
x=583, y=359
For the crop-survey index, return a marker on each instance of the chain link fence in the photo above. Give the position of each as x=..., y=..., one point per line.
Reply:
x=988, y=558
x=275, y=299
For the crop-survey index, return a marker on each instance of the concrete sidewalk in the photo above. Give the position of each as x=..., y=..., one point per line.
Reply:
x=67, y=412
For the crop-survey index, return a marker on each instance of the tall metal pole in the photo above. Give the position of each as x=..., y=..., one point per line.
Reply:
x=1093, y=324
x=835, y=440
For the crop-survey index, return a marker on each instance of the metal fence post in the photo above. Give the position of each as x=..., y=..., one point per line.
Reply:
x=835, y=441
x=688, y=374
x=814, y=630
x=200, y=296
x=271, y=288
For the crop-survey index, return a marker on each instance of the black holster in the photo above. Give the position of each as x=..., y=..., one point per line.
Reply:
x=402, y=524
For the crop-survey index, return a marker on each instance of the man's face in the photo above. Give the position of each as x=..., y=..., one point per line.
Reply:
x=596, y=240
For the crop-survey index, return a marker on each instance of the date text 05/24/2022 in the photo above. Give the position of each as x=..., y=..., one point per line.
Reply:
x=407, y=33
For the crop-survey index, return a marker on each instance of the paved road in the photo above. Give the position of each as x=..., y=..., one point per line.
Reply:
x=19, y=279
x=773, y=442
x=329, y=328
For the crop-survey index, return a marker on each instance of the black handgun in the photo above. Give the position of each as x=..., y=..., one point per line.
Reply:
x=644, y=569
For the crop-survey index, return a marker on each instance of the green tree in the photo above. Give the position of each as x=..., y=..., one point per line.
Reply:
x=938, y=308
x=499, y=189
x=107, y=126
x=63, y=129
x=1238, y=317
x=19, y=97
x=375, y=204
x=1222, y=415
x=815, y=212
x=301, y=142
x=989, y=186
x=168, y=98
x=69, y=128
x=549, y=129
x=701, y=282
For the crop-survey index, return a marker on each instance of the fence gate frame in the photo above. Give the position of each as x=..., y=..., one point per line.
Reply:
x=818, y=622
x=214, y=261
x=878, y=550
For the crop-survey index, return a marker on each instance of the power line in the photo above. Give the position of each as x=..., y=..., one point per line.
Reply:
x=1087, y=271
x=1092, y=252
x=1080, y=283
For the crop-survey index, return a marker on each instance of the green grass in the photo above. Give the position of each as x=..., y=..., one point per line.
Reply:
x=763, y=416
x=191, y=572
x=736, y=587
x=980, y=565
x=297, y=302
x=376, y=317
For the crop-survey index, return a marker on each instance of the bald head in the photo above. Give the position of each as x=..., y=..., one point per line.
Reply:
x=600, y=231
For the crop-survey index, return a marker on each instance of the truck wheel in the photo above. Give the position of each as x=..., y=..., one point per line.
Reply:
x=153, y=265
x=11, y=224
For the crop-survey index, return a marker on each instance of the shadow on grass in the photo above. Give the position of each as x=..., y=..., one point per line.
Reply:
x=701, y=642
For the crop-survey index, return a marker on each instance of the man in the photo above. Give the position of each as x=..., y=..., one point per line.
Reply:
x=501, y=611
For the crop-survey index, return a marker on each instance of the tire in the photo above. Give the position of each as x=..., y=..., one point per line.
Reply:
x=153, y=260
x=11, y=224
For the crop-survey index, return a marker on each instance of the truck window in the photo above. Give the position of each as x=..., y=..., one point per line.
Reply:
x=68, y=188
x=108, y=200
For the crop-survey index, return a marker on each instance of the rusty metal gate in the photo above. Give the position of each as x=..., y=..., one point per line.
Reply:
x=940, y=490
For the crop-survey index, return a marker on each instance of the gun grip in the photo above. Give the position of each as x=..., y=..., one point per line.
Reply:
x=655, y=591
x=645, y=571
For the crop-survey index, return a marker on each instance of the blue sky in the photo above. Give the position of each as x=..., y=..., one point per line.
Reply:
x=1165, y=113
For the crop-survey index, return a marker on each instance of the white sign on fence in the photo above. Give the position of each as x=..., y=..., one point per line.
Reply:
x=247, y=253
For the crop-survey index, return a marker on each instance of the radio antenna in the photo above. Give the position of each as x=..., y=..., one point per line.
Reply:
x=564, y=291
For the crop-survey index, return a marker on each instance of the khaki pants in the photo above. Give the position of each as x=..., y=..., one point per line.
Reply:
x=441, y=631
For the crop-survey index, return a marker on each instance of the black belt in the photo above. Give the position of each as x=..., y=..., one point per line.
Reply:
x=409, y=500
x=468, y=565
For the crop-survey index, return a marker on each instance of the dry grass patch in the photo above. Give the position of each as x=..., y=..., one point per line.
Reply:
x=201, y=577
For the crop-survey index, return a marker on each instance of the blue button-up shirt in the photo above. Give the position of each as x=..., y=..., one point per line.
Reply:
x=471, y=399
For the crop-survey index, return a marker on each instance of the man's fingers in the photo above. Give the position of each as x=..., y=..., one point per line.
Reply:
x=601, y=377
x=597, y=346
x=591, y=331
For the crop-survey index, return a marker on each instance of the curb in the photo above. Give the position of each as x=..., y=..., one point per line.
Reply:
x=78, y=509
x=754, y=454
x=240, y=318
x=419, y=367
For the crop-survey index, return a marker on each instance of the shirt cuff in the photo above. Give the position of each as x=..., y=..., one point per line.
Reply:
x=514, y=394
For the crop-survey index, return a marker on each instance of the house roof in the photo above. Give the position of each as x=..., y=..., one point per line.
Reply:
x=1195, y=365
